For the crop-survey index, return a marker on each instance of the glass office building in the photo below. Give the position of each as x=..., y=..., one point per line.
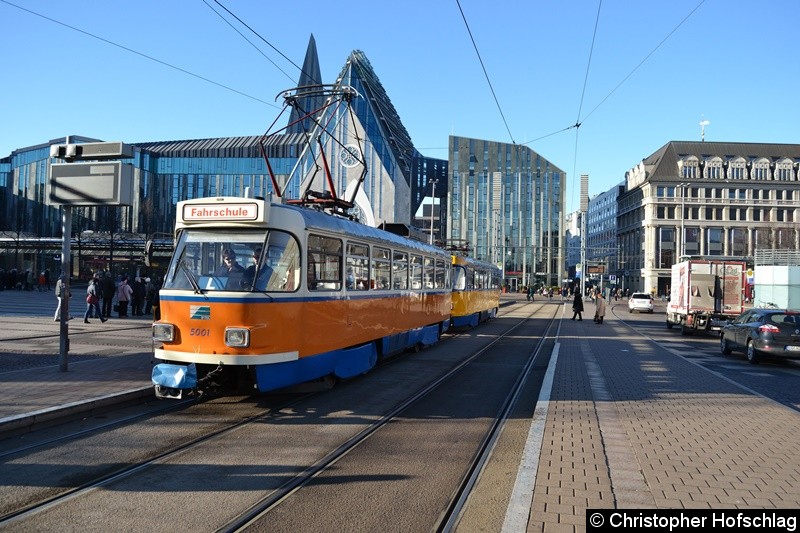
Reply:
x=506, y=204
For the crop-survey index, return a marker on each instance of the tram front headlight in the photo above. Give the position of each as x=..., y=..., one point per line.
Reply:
x=163, y=332
x=237, y=337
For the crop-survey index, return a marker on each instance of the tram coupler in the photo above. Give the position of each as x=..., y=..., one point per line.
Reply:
x=173, y=381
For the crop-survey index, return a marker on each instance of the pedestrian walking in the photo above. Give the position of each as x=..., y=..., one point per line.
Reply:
x=600, y=308
x=124, y=293
x=577, y=306
x=61, y=289
x=93, y=300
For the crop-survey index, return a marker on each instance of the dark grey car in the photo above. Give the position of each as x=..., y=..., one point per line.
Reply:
x=763, y=333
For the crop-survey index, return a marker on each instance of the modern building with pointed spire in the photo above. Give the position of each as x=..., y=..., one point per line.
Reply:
x=310, y=76
x=166, y=172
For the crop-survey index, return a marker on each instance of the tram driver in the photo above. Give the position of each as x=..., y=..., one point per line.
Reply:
x=230, y=269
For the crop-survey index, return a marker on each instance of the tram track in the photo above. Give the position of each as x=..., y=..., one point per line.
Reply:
x=106, y=477
x=449, y=516
x=293, y=484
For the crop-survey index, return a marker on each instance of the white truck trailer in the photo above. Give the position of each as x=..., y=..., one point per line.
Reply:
x=705, y=293
x=777, y=279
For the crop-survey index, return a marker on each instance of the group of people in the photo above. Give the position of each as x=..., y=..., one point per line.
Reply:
x=599, y=305
x=24, y=281
x=102, y=291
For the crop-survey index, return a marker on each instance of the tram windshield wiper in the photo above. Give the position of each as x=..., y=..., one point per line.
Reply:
x=190, y=276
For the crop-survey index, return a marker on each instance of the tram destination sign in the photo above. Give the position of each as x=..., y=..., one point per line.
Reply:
x=224, y=212
x=91, y=184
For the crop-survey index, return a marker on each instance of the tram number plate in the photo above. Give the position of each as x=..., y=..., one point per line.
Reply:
x=199, y=332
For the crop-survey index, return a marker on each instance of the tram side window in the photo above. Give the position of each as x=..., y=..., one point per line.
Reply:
x=459, y=278
x=415, y=271
x=428, y=273
x=381, y=268
x=357, y=278
x=399, y=271
x=440, y=279
x=324, y=270
x=480, y=279
x=470, y=278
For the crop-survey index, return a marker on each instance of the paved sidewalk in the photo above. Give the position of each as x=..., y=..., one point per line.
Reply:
x=632, y=425
x=106, y=363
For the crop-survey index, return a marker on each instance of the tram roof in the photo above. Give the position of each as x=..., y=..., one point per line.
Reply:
x=318, y=220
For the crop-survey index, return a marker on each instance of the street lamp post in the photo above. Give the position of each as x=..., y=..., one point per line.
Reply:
x=683, y=187
x=506, y=250
x=433, y=197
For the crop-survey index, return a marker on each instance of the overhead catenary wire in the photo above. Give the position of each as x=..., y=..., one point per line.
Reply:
x=645, y=59
x=141, y=54
x=254, y=32
x=234, y=28
x=577, y=124
x=486, y=74
x=580, y=121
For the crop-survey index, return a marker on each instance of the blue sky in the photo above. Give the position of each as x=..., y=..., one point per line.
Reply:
x=652, y=78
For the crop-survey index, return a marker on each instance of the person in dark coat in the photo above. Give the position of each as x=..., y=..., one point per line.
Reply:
x=577, y=306
x=108, y=289
x=137, y=297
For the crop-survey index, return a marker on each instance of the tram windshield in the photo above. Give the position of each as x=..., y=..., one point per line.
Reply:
x=217, y=260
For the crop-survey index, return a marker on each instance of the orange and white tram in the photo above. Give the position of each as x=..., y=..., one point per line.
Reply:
x=261, y=296
x=476, y=291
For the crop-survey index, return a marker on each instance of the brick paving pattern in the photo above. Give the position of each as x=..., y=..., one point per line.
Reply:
x=644, y=428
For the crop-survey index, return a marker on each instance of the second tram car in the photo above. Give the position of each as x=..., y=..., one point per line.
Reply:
x=476, y=291
x=260, y=295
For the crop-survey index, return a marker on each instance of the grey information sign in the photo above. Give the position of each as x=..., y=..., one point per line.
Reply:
x=100, y=183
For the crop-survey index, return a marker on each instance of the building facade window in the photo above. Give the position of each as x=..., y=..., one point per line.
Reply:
x=692, y=244
x=666, y=247
x=738, y=241
x=784, y=170
x=714, y=241
x=760, y=169
x=713, y=168
x=737, y=169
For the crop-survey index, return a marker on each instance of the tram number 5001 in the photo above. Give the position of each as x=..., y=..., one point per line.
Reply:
x=199, y=332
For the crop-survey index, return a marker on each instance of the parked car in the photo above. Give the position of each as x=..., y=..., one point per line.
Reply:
x=763, y=333
x=640, y=301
